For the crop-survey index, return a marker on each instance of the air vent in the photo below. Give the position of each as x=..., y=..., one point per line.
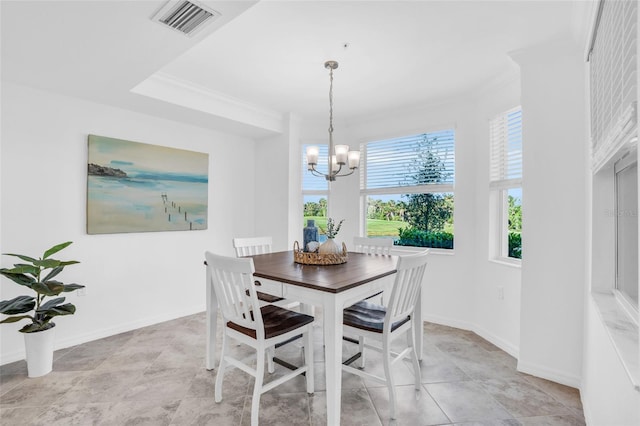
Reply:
x=188, y=17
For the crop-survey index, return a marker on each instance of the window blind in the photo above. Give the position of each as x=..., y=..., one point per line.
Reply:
x=613, y=78
x=418, y=160
x=505, y=135
x=309, y=181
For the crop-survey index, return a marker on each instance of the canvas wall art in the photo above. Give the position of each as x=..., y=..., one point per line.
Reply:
x=139, y=187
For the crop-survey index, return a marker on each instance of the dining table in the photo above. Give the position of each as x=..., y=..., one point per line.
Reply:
x=329, y=287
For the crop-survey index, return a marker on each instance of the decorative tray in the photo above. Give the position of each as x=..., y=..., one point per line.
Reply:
x=314, y=258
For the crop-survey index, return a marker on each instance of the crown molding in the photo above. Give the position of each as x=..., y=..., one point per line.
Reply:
x=168, y=88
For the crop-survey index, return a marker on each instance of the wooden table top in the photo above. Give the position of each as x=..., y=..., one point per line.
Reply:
x=359, y=269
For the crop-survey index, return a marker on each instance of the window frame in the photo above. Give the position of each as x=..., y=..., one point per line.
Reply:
x=322, y=159
x=499, y=185
x=632, y=307
x=428, y=188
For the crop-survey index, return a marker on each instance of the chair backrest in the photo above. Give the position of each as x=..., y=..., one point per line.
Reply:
x=372, y=245
x=233, y=283
x=406, y=287
x=252, y=246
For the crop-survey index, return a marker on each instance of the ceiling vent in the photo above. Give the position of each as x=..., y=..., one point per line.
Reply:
x=187, y=17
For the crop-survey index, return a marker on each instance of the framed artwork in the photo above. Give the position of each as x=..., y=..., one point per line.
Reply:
x=139, y=187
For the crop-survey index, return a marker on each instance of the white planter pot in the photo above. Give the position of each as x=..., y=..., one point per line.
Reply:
x=39, y=347
x=330, y=247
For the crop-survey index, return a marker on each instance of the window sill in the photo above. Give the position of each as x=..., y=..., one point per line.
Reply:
x=507, y=261
x=623, y=332
x=404, y=250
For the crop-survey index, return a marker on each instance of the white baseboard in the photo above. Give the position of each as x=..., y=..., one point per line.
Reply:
x=549, y=374
x=506, y=346
x=449, y=322
x=511, y=349
x=19, y=354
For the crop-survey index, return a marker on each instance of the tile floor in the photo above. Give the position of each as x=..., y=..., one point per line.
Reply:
x=156, y=376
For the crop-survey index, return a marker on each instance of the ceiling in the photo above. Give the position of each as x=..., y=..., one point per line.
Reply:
x=267, y=56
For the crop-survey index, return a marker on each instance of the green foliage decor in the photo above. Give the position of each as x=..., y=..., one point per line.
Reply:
x=332, y=230
x=30, y=274
x=412, y=236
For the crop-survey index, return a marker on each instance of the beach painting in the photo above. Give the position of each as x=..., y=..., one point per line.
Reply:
x=139, y=187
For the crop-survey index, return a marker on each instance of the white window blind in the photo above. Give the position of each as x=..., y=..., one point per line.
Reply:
x=310, y=182
x=506, y=149
x=613, y=68
x=426, y=159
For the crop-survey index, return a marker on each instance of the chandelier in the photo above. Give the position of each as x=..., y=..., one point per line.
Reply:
x=339, y=156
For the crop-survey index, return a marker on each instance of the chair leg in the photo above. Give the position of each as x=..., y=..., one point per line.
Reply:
x=257, y=387
x=221, y=368
x=308, y=358
x=271, y=353
x=361, y=350
x=414, y=359
x=386, y=360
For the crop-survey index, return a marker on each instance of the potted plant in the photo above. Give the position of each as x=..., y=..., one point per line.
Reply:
x=38, y=333
x=330, y=246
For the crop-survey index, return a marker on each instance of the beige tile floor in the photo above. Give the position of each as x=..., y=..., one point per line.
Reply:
x=156, y=376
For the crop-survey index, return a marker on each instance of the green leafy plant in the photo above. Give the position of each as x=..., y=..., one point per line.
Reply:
x=411, y=236
x=30, y=275
x=332, y=230
x=515, y=245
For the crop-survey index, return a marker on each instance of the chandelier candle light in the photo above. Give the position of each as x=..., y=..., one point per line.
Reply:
x=339, y=154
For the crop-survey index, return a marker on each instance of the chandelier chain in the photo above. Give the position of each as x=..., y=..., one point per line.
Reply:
x=331, y=105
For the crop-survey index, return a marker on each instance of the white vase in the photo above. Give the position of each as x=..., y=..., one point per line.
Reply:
x=329, y=247
x=39, y=347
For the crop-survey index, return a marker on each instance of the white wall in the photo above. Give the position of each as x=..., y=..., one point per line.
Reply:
x=554, y=210
x=132, y=279
x=495, y=319
x=277, y=187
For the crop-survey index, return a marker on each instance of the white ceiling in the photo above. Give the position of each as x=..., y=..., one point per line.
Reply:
x=270, y=54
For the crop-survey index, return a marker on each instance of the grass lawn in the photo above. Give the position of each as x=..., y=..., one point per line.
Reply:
x=375, y=227
x=386, y=228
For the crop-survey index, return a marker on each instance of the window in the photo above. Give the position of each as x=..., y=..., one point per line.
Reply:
x=612, y=63
x=626, y=195
x=406, y=188
x=315, y=191
x=506, y=184
x=613, y=85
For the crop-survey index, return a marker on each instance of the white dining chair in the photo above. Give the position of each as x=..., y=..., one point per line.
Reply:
x=260, y=327
x=368, y=245
x=251, y=246
x=372, y=322
x=372, y=245
x=258, y=245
